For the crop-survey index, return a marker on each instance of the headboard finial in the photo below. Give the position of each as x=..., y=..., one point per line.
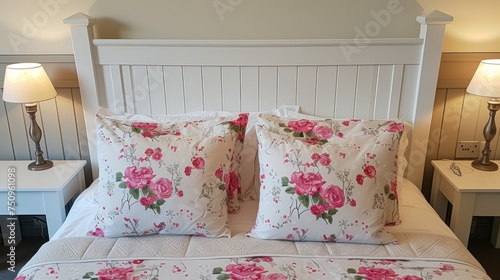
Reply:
x=434, y=17
x=79, y=19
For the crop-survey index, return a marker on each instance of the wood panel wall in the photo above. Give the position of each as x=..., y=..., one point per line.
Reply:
x=61, y=118
x=457, y=115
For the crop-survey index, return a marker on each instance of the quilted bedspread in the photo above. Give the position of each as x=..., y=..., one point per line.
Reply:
x=416, y=256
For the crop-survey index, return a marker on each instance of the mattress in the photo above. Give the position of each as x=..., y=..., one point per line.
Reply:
x=426, y=249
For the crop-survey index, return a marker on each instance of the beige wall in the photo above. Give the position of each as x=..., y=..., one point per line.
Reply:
x=35, y=26
x=476, y=25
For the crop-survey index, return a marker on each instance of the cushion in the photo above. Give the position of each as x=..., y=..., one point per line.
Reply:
x=165, y=177
x=392, y=210
x=235, y=192
x=326, y=180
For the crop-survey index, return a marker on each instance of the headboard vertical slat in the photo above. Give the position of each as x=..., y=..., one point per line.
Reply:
x=118, y=101
x=384, y=92
x=174, y=89
x=397, y=83
x=287, y=85
x=326, y=90
x=268, y=88
x=231, y=89
x=346, y=91
x=212, y=88
x=193, y=89
x=153, y=82
x=307, y=77
x=128, y=91
x=365, y=91
x=249, y=78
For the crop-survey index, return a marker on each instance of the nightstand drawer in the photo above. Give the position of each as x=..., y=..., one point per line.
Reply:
x=27, y=203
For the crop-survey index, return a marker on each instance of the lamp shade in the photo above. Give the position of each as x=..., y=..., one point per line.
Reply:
x=27, y=83
x=486, y=80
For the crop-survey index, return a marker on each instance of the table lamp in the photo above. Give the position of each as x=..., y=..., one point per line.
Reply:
x=28, y=83
x=486, y=82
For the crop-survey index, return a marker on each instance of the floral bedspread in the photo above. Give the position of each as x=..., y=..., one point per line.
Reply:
x=264, y=268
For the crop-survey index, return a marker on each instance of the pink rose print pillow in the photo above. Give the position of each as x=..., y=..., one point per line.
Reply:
x=344, y=129
x=239, y=122
x=164, y=177
x=318, y=184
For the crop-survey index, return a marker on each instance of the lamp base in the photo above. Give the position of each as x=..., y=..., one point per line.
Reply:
x=38, y=167
x=490, y=166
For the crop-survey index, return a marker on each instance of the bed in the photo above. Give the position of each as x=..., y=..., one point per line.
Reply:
x=261, y=148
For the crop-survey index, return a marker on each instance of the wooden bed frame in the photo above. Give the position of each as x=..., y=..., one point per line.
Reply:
x=351, y=78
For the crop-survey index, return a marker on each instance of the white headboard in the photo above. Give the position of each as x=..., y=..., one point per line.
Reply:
x=361, y=78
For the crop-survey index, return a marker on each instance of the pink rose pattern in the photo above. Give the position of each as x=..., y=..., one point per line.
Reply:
x=148, y=185
x=237, y=127
x=261, y=268
x=350, y=169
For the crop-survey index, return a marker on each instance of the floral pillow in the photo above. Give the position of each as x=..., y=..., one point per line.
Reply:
x=238, y=157
x=392, y=211
x=319, y=183
x=164, y=177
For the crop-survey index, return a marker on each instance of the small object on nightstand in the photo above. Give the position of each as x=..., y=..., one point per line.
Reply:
x=454, y=167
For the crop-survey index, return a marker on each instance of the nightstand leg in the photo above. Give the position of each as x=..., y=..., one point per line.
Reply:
x=55, y=211
x=438, y=200
x=495, y=233
x=461, y=216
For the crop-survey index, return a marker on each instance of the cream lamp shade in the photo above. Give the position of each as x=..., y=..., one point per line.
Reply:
x=486, y=80
x=27, y=83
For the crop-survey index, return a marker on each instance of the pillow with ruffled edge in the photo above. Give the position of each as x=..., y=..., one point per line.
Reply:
x=392, y=212
x=163, y=177
x=318, y=185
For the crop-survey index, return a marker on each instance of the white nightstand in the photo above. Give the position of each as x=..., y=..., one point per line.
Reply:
x=40, y=192
x=475, y=193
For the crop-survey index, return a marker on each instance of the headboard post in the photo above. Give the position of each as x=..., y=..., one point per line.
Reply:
x=82, y=34
x=432, y=29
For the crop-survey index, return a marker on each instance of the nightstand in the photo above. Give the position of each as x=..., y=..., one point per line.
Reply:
x=475, y=193
x=39, y=192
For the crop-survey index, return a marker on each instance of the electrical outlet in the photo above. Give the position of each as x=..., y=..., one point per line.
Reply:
x=38, y=223
x=467, y=150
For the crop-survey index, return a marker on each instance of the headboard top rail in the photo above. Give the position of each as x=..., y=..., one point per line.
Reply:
x=260, y=43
